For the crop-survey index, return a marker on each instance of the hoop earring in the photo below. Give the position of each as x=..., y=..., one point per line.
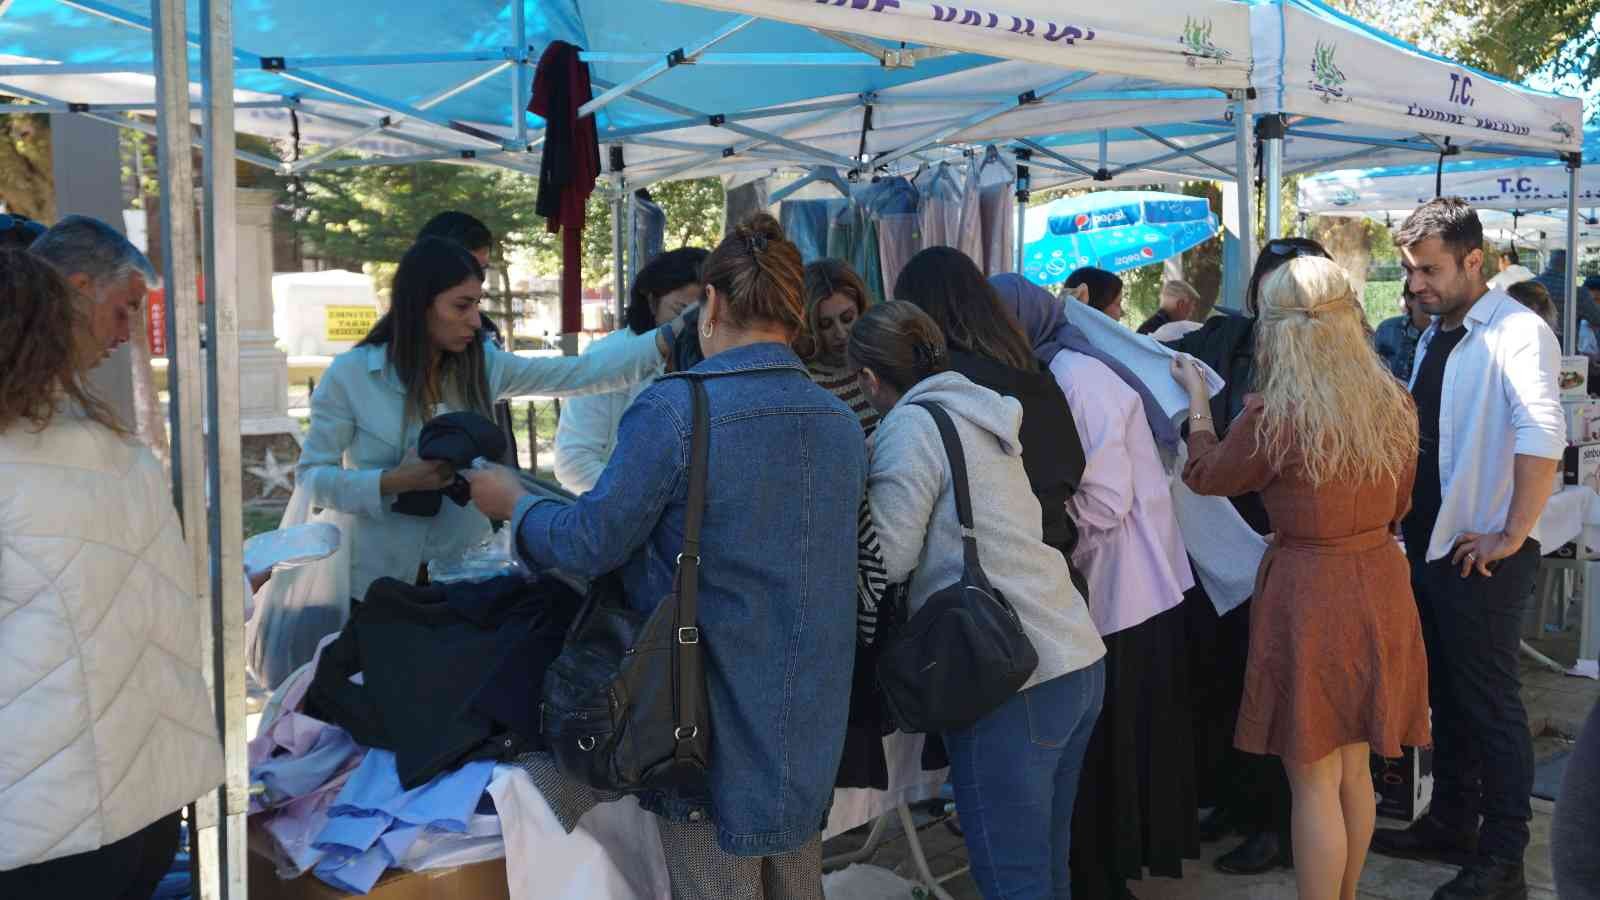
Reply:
x=706, y=330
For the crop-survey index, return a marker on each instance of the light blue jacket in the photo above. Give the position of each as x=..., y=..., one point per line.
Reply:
x=359, y=429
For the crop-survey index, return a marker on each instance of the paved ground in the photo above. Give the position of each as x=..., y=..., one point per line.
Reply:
x=1557, y=706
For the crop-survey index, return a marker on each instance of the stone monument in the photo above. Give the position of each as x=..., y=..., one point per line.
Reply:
x=270, y=439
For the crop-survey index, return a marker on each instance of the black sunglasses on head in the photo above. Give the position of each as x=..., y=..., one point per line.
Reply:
x=1292, y=249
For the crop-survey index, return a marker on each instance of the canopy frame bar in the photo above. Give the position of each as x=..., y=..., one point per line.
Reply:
x=944, y=132
x=765, y=112
x=671, y=60
x=1175, y=146
x=1168, y=157
x=1065, y=160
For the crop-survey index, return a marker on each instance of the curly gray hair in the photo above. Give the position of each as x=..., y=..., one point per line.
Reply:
x=80, y=245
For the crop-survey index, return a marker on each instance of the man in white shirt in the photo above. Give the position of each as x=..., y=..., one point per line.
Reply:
x=1492, y=435
x=1511, y=271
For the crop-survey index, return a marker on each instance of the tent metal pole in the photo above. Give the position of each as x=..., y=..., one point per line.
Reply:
x=1569, y=334
x=1024, y=186
x=945, y=132
x=613, y=134
x=395, y=107
x=672, y=60
x=1186, y=151
x=176, y=163
x=1419, y=146
x=519, y=99
x=1271, y=129
x=721, y=121
x=1335, y=162
x=630, y=236
x=619, y=284
x=1058, y=157
x=1168, y=157
x=747, y=60
x=1244, y=247
x=220, y=825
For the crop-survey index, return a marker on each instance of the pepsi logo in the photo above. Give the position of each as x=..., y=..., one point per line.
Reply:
x=1148, y=253
x=1081, y=220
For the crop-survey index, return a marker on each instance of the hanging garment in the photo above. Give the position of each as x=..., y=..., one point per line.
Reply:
x=969, y=239
x=568, y=165
x=853, y=238
x=743, y=202
x=893, y=202
x=940, y=206
x=997, y=213
x=649, y=230
x=457, y=438
x=806, y=223
x=426, y=654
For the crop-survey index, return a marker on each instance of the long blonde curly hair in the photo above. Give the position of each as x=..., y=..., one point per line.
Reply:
x=1330, y=405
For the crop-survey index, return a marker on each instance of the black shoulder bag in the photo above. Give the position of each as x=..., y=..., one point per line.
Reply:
x=964, y=653
x=624, y=705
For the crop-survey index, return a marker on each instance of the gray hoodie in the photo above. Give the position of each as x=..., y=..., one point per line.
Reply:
x=914, y=509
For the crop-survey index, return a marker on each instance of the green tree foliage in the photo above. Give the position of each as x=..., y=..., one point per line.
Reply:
x=27, y=186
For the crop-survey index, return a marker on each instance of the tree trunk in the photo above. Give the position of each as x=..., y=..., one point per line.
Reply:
x=27, y=184
x=1345, y=238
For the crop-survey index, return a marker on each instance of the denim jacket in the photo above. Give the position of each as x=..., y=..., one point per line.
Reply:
x=1396, y=342
x=777, y=577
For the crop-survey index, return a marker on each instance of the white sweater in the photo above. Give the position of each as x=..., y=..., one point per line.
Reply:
x=106, y=718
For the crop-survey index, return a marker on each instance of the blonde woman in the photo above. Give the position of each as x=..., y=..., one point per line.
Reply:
x=1337, y=664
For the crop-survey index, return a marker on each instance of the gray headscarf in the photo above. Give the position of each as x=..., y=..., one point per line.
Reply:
x=1045, y=323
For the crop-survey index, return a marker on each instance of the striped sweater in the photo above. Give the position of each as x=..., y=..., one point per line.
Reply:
x=871, y=577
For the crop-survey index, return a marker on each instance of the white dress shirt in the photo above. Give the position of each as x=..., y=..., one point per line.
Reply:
x=1128, y=541
x=1499, y=401
x=587, y=432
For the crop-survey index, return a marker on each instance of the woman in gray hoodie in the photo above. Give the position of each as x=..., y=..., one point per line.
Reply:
x=1015, y=771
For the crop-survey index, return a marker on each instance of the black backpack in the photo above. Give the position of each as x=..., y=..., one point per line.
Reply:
x=964, y=653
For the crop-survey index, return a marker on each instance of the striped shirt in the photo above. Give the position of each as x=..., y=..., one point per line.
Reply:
x=871, y=577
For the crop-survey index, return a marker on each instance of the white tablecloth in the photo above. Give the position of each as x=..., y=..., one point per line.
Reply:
x=615, y=853
x=1565, y=515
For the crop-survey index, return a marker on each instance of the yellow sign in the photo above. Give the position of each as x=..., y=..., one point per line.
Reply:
x=350, y=323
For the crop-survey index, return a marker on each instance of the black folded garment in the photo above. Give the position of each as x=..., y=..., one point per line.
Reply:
x=449, y=671
x=457, y=438
x=686, y=353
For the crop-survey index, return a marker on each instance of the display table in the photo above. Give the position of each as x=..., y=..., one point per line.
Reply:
x=1572, y=516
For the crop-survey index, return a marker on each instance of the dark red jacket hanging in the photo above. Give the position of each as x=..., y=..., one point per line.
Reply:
x=569, y=164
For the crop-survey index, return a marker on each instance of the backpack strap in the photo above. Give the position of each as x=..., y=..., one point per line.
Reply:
x=958, y=479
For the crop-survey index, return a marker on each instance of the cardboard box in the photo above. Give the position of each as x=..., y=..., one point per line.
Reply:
x=1574, y=378
x=478, y=881
x=1583, y=421
x=1405, y=785
x=1581, y=465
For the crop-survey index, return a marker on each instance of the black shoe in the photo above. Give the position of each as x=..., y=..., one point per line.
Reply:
x=1486, y=879
x=1215, y=826
x=1261, y=852
x=1427, y=839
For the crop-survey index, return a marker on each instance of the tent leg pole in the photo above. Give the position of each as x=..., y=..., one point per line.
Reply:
x=222, y=811
x=1569, y=334
x=1024, y=185
x=1271, y=131
x=1245, y=245
x=620, y=291
x=519, y=100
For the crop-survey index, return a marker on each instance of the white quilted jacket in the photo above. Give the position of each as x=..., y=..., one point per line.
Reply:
x=105, y=721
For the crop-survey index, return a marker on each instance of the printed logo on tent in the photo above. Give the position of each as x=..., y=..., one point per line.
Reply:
x=1327, y=80
x=1148, y=252
x=1344, y=197
x=1197, y=43
x=1565, y=131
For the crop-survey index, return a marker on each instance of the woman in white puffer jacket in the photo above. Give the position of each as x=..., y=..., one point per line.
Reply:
x=106, y=721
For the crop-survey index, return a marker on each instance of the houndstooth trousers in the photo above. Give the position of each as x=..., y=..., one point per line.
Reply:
x=702, y=870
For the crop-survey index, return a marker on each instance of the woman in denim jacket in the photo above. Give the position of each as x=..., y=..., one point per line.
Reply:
x=777, y=578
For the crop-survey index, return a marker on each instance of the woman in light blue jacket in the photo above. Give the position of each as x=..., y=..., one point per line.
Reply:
x=425, y=357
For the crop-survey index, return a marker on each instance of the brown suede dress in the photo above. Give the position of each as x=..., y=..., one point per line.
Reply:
x=1336, y=654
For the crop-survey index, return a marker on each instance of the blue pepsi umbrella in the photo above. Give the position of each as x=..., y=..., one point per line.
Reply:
x=1111, y=230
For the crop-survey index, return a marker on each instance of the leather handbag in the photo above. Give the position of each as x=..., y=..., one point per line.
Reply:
x=624, y=707
x=964, y=653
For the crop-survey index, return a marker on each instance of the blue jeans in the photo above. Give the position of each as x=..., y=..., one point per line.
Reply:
x=1015, y=775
